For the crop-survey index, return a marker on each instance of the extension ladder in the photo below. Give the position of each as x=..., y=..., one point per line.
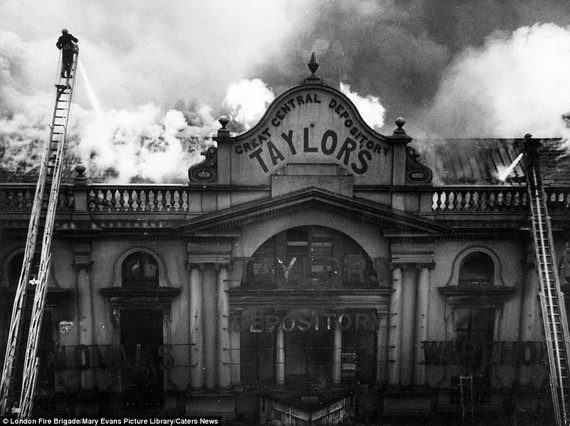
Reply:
x=551, y=299
x=20, y=367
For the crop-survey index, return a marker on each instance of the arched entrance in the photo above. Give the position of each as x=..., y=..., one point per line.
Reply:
x=309, y=311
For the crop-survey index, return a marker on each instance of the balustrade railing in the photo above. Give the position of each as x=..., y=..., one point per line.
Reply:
x=138, y=199
x=18, y=198
x=494, y=199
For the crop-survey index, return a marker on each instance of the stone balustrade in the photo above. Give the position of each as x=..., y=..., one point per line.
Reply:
x=454, y=199
x=138, y=199
x=18, y=198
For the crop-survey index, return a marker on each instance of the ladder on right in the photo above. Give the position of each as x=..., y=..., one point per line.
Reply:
x=551, y=298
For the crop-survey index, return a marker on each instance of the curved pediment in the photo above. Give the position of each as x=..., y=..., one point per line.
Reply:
x=311, y=123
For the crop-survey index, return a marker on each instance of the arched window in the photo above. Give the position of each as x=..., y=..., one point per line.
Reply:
x=476, y=269
x=140, y=270
x=306, y=257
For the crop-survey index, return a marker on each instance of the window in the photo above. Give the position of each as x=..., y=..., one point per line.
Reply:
x=309, y=357
x=476, y=269
x=311, y=256
x=358, y=359
x=257, y=357
x=140, y=270
x=474, y=329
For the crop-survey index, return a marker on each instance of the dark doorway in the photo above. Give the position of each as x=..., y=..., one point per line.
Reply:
x=142, y=373
x=308, y=357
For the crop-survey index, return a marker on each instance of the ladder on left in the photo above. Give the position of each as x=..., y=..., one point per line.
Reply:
x=19, y=371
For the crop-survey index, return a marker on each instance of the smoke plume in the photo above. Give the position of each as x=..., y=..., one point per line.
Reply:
x=451, y=69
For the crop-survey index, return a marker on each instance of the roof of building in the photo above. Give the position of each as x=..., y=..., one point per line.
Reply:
x=479, y=161
x=453, y=162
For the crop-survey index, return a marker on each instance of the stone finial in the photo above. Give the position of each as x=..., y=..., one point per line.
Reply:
x=313, y=64
x=400, y=123
x=224, y=131
x=223, y=120
x=80, y=170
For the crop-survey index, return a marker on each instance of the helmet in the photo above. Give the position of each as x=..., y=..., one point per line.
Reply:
x=64, y=31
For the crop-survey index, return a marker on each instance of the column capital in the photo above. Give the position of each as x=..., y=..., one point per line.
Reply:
x=85, y=265
x=223, y=265
x=405, y=266
x=192, y=265
x=426, y=265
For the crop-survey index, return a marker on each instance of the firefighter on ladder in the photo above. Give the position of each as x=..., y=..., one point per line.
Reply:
x=67, y=44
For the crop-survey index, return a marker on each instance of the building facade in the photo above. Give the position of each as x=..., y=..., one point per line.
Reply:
x=311, y=270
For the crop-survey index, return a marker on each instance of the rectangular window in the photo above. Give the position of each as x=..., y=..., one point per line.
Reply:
x=358, y=360
x=308, y=357
x=473, y=328
x=257, y=358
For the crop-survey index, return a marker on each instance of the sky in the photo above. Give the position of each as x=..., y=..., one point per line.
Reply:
x=156, y=75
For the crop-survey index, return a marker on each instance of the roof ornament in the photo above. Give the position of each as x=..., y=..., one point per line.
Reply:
x=313, y=64
x=400, y=123
x=313, y=67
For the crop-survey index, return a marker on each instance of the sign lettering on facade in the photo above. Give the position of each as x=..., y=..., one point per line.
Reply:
x=290, y=133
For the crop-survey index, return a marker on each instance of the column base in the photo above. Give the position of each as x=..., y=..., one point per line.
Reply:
x=224, y=389
x=193, y=389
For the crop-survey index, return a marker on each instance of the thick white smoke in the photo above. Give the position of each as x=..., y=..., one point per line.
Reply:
x=369, y=107
x=142, y=143
x=247, y=101
x=515, y=84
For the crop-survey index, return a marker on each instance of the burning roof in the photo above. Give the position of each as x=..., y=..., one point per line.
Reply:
x=479, y=161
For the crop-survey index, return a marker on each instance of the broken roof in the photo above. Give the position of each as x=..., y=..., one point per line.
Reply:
x=479, y=161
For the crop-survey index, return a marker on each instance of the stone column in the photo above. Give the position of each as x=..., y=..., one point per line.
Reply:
x=196, y=328
x=395, y=328
x=409, y=289
x=223, y=339
x=422, y=321
x=280, y=358
x=209, y=315
x=337, y=354
x=381, y=353
x=528, y=313
x=83, y=265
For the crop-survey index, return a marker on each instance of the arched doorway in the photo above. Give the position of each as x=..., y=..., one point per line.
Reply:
x=308, y=311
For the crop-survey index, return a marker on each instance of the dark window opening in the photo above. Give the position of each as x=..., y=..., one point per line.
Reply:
x=309, y=357
x=141, y=338
x=140, y=270
x=257, y=358
x=474, y=329
x=476, y=269
x=358, y=356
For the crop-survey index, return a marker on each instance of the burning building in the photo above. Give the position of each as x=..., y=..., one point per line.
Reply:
x=311, y=271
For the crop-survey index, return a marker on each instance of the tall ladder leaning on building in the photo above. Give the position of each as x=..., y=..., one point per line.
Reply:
x=20, y=367
x=554, y=317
